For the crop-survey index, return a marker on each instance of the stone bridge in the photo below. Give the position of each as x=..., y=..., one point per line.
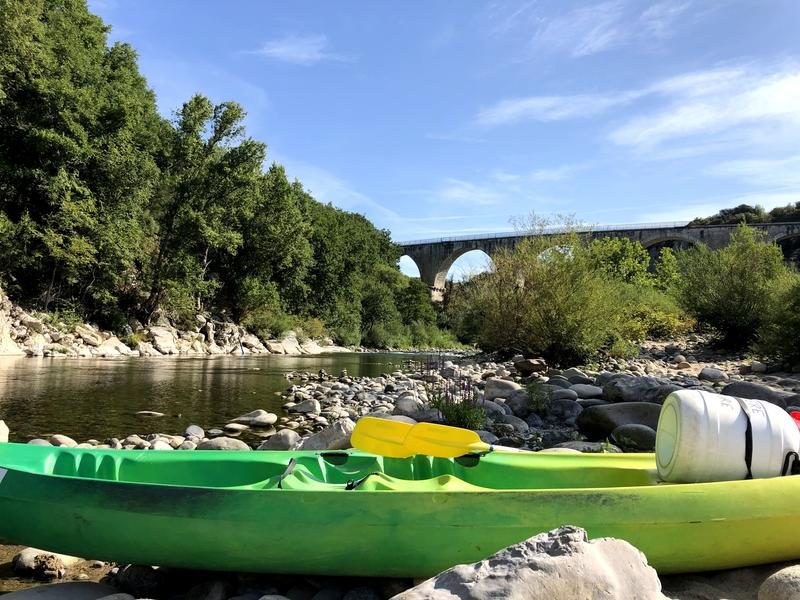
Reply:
x=434, y=257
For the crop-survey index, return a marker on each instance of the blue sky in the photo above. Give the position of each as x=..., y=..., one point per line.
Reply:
x=449, y=118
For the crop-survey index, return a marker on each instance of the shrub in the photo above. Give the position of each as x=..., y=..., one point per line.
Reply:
x=667, y=273
x=546, y=297
x=732, y=289
x=457, y=401
x=650, y=313
x=621, y=258
x=539, y=398
x=779, y=334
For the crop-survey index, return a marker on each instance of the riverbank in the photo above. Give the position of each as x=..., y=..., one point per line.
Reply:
x=524, y=403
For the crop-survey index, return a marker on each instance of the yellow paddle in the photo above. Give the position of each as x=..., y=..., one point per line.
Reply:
x=398, y=440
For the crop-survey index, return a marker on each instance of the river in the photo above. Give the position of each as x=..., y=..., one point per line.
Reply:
x=99, y=398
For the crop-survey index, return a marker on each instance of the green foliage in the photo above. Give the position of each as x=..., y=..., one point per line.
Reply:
x=539, y=398
x=779, y=333
x=732, y=289
x=744, y=213
x=544, y=300
x=667, y=272
x=458, y=403
x=649, y=313
x=110, y=210
x=620, y=258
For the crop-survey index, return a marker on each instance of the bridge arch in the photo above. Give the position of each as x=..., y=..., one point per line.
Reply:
x=790, y=245
x=655, y=246
x=447, y=263
x=408, y=266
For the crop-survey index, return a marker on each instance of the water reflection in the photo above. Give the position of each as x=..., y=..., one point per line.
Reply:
x=98, y=398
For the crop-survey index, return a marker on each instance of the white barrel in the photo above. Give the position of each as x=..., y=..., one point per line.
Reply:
x=701, y=437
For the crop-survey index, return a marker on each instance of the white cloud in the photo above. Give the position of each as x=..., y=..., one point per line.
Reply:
x=300, y=49
x=715, y=104
x=466, y=192
x=552, y=108
x=585, y=30
x=658, y=20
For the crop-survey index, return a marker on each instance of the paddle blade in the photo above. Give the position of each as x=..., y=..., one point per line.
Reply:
x=442, y=441
x=382, y=437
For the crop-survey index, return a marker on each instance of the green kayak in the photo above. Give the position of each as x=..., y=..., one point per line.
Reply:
x=352, y=513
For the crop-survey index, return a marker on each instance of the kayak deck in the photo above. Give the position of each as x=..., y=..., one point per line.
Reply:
x=352, y=513
x=333, y=471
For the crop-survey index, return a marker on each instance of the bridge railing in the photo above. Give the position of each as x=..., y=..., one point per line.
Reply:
x=546, y=230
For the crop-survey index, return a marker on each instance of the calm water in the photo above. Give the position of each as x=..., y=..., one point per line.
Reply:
x=85, y=398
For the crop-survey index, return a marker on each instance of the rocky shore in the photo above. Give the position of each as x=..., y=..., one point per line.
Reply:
x=24, y=333
x=523, y=402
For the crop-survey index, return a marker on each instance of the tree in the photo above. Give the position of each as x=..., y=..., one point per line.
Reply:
x=621, y=258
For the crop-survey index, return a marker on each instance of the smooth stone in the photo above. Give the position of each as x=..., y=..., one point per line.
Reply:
x=563, y=410
x=499, y=388
x=564, y=394
x=631, y=388
x=223, y=443
x=333, y=437
x=285, y=439
x=194, y=431
x=257, y=418
x=712, y=374
x=519, y=403
x=756, y=391
x=149, y=413
x=62, y=440
x=529, y=366
x=307, y=406
x=39, y=442
x=634, y=437
x=518, y=424
x=236, y=427
x=597, y=422
x=586, y=391
x=562, y=563
x=160, y=445
x=782, y=585
x=187, y=445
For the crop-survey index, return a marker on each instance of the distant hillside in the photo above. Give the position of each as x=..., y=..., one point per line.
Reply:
x=744, y=213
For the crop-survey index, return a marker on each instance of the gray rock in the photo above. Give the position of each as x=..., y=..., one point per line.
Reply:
x=634, y=437
x=529, y=366
x=563, y=411
x=39, y=442
x=518, y=424
x=564, y=394
x=758, y=367
x=160, y=445
x=519, y=403
x=629, y=388
x=493, y=409
x=782, y=585
x=62, y=440
x=756, y=391
x=586, y=391
x=187, y=445
x=407, y=406
x=141, y=580
x=597, y=422
x=42, y=564
x=534, y=421
x=306, y=406
x=499, y=388
x=223, y=443
x=487, y=436
x=712, y=374
x=559, y=564
x=285, y=439
x=257, y=418
x=194, y=430
x=333, y=437
x=31, y=322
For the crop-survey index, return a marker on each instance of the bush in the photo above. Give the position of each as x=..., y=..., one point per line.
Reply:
x=547, y=298
x=732, y=289
x=650, y=313
x=458, y=403
x=779, y=334
x=622, y=259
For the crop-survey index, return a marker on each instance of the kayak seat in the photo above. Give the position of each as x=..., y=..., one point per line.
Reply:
x=87, y=466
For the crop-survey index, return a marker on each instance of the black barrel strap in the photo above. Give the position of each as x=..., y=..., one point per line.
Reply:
x=791, y=464
x=748, y=438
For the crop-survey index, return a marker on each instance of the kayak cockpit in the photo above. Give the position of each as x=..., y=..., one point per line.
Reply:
x=351, y=470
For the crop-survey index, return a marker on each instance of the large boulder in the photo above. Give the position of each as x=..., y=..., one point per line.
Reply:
x=529, y=366
x=499, y=388
x=563, y=410
x=519, y=402
x=634, y=437
x=334, y=437
x=756, y=391
x=783, y=585
x=163, y=340
x=598, y=422
x=113, y=346
x=285, y=439
x=89, y=335
x=306, y=406
x=559, y=564
x=629, y=388
x=42, y=564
